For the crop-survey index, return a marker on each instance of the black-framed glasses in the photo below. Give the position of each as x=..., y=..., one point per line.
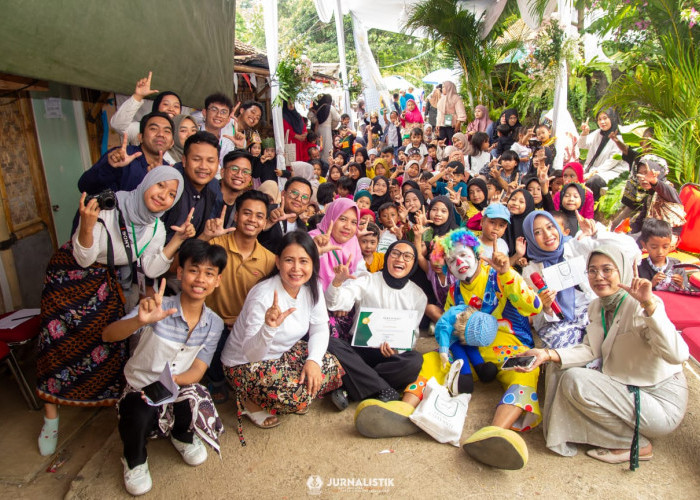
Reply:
x=294, y=194
x=404, y=256
x=219, y=111
x=236, y=169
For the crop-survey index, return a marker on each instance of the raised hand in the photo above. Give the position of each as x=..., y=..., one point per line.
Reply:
x=585, y=129
x=151, y=308
x=274, y=315
x=118, y=158
x=422, y=217
x=143, y=88
x=215, y=227
x=403, y=213
x=323, y=241
x=186, y=230
x=276, y=216
x=520, y=246
x=639, y=289
x=342, y=273
x=395, y=229
x=156, y=163
x=499, y=261
x=587, y=226
x=238, y=139
x=454, y=196
x=651, y=176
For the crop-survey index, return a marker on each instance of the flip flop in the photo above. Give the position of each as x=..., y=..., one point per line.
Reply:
x=258, y=418
x=607, y=456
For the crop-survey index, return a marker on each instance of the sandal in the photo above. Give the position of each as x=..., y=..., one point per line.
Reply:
x=304, y=411
x=258, y=418
x=607, y=456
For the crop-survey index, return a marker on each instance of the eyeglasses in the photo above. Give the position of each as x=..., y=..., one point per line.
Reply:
x=244, y=171
x=405, y=256
x=605, y=272
x=217, y=111
x=294, y=194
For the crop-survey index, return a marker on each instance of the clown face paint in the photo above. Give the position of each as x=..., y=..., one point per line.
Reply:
x=462, y=262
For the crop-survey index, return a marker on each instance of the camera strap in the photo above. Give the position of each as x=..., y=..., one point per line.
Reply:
x=127, y=243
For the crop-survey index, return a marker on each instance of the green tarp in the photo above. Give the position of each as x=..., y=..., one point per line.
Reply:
x=188, y=44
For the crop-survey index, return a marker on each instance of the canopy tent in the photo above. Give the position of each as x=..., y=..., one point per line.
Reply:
x=442, y=75
x=395, y=82
x=109, y=46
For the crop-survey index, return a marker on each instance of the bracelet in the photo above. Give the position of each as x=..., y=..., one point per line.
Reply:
x=647, y=304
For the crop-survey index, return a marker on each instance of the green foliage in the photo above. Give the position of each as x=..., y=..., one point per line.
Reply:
x=609, y=204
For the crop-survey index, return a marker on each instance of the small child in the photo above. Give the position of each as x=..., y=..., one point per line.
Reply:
x=367, y=216
x=658, y=268
x=363, y=199
x=563, y=222
x=345, y=187
x=267, y=167
x=325, y=194
x=416, y=141
x=182, y=333
x=494, y=222
x=388, y=218
x=495, y=190
x=374, y=261
x=522, y=149
x=572, y=196
x=505, y=140
x=556, y=184
x=387, y=155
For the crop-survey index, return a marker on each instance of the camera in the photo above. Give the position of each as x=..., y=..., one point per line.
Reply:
x=106, y=200
x=535, y=144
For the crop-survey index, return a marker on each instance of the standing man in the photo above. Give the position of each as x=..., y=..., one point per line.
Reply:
x=123, y=168
x=248, y=263
x=217, y=112
x=236, y=179
x=296, y=196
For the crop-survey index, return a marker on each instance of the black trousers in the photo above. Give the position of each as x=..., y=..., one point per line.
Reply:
x=595, y=184
x=215, y=372
x=367, y=371
x=447, y=133
x=137, y=419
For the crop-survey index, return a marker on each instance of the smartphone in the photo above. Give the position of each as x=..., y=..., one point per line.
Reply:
x=157, y=392
x=518, y=361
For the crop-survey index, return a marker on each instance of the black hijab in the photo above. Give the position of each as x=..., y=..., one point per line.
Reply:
x=513, y=128
x=293, y=118
x=378, y=201
x=323, y=108
x=515, y=228
x=571, y=218
x=450, y=223
x=525, y=181
x=399, y=283
x=614, y=124
x=481, y=184
x=421, y=198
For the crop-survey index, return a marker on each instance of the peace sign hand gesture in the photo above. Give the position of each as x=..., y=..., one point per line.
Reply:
x=274, y=315
x=143, y=88
x=587, y=226
x=585, y=129
x=185, y=230
x=423, y=218
x=118, y=158
x=215, y=227
x=151, y=308
x=499, y=261
x=342, y=273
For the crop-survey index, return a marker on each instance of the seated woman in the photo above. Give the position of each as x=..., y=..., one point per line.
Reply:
x=601, y=164
x=624, y=403
x=377, y=372
x=82, y=295
x=547, y=246
x=272, y=370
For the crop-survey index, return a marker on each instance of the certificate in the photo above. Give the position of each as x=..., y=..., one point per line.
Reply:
x=565, y=274
x=374, y=326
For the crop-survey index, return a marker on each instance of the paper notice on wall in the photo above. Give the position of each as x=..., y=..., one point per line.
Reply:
x=52, y=108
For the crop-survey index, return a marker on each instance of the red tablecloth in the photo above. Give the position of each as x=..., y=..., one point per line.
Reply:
x=27, y=330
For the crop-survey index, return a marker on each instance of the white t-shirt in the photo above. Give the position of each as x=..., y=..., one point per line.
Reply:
x=487, y=250
x=251, y=340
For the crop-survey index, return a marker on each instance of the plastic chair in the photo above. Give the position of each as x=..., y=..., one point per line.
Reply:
x=16, y=337
x=690, y=235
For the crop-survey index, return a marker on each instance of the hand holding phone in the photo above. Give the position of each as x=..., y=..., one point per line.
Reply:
x=514, y=362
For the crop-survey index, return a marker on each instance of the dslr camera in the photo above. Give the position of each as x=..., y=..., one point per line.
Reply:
x=535, y=144
x=106, y=199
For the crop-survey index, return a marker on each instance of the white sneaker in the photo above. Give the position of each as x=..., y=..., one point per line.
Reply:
x=194, y=453
x=137, y=480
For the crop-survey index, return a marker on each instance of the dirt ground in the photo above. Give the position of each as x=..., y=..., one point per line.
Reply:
x=323, y=449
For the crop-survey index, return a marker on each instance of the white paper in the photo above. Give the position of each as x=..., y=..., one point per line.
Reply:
x=374, y=326
x=166, y=378
x=52, y=108
x=565, y=274
x=17, y=318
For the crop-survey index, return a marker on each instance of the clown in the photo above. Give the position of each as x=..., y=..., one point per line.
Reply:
x=492, y=287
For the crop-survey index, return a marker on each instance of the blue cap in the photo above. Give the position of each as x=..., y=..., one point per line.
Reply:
x=481, y=329
x=497, y=211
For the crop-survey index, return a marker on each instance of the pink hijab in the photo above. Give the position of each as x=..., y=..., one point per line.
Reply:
x=350, y=248
x=480, y=124
x=414, y=116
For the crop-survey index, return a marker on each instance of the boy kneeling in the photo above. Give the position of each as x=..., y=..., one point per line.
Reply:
x=181, y=332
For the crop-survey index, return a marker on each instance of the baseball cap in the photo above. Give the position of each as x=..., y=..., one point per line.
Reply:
x=497, y=211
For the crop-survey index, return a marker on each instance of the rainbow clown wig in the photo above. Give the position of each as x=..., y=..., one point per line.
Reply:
x=444, y=245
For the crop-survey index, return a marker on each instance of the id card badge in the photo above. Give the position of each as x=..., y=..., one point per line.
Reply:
x=448, y=120
x=140, y=278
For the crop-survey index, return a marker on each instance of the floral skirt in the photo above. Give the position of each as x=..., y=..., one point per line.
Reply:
x=274, y=384
x=74, y=366
x=341, y=327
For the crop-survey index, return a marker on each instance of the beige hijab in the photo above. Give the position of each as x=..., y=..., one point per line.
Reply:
x=450, y=98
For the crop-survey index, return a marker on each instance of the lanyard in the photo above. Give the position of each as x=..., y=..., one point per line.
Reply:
x=136, y=246
x=602, y=316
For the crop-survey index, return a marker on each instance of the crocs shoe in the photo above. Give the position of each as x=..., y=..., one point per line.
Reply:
x=194, y=453
x=379, y=419
x=497, y=447
x=137, y=480
x=340, y=399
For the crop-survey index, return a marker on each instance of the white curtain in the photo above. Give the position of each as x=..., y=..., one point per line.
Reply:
x=563, y=124
x=375, y=89
x=272, y=47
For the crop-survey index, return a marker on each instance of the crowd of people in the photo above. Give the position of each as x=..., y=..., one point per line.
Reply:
x=201, y=267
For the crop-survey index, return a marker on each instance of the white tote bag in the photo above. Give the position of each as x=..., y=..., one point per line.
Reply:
x=441, y=415
x=290, y=150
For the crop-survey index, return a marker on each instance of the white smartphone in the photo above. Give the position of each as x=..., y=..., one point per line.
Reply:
x=518, y=362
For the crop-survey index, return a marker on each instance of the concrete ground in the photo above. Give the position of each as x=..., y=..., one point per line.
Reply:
x=324, y=446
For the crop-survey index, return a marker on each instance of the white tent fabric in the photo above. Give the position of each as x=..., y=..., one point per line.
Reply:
x=375, y=89
x=533, y=22
x=270, y=20
x=395, y=82
x=442, y=75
